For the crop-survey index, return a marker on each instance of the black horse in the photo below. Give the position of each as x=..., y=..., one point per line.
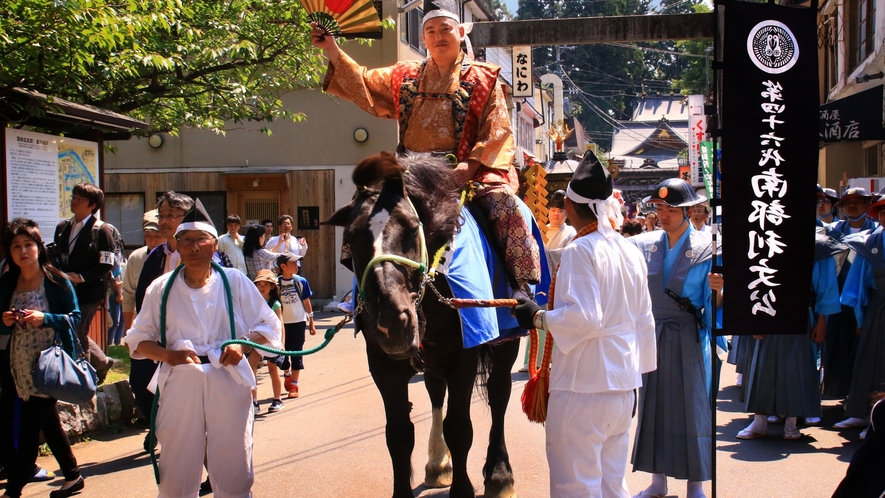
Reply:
x=408, y=330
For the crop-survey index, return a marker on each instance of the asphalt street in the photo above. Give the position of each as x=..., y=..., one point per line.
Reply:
x=330, y=443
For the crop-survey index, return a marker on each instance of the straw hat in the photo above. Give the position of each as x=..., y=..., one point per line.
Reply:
x=266, y=276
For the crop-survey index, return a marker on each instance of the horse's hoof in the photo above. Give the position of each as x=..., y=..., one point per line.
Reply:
x=497, y=491
x=438, y=476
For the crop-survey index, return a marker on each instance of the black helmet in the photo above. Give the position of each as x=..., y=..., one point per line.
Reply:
x=557, y=200
x=674, y=193
x=856, y=193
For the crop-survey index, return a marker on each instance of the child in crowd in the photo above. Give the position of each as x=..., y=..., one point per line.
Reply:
x=266, y=282
x=297, y=316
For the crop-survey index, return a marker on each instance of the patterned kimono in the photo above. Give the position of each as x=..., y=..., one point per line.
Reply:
x=461, y=112
x=674, y=434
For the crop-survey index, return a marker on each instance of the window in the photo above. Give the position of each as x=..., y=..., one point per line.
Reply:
x=126, y=211
x=861, y=30
x=412, y=32
x=831, y=52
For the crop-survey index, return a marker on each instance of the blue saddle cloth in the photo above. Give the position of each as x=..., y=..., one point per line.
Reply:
x=472, y=258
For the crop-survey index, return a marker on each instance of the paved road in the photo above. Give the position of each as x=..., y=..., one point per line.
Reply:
x=330, y=443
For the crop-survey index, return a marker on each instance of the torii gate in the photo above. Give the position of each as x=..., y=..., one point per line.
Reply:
x=585, y=30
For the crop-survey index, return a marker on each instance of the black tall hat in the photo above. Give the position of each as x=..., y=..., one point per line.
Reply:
x=197, y=219
x=590, y=182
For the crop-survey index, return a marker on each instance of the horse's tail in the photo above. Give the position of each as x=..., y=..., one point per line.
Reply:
x=485, y=362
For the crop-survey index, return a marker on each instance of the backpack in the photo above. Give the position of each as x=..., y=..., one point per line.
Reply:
x=119, y=257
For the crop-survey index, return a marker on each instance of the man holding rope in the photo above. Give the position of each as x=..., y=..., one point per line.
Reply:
x=602, y=321
x=206, y=402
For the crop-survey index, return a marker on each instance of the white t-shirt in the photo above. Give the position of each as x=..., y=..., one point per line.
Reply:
x=293, y=306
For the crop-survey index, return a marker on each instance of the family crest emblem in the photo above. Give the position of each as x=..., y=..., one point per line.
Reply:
x=772, y=47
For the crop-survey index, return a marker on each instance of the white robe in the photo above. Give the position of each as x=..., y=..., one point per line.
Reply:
x=204, y=408
x=605, y=336
x=556, y=242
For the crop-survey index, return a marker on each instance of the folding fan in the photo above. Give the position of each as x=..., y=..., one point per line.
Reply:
x=345, y=18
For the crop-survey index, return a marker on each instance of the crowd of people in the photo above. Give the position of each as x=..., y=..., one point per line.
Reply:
x=56, y=289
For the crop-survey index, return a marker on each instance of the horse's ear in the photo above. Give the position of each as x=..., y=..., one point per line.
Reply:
x=340, y=218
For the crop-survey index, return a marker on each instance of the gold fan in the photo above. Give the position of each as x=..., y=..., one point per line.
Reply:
x=345, y=18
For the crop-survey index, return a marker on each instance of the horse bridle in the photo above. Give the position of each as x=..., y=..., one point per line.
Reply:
x=428, y=274
x=393, y=258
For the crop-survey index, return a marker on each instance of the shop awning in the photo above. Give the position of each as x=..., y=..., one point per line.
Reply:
x=856, y=117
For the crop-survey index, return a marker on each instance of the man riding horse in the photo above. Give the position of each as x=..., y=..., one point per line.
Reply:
x=447, y=104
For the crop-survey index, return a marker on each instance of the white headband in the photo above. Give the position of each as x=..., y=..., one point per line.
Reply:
x=197, y=225
x=440, y=13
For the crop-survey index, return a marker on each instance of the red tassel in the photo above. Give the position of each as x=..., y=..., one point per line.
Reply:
x=537, y=390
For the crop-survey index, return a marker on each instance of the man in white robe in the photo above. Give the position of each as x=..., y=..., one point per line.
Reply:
x=206, y=402
x=605, y=336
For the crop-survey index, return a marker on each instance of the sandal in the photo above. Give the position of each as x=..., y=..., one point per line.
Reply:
x=749, y=434
x=791, y=434
x=41, y=474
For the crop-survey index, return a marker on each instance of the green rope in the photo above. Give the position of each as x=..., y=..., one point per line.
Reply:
x=152, y=434
x=327, y=338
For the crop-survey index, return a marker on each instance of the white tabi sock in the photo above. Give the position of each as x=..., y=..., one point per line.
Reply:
x=695, y=490
x=658, y=486
x=789, y=424
x=759, y=425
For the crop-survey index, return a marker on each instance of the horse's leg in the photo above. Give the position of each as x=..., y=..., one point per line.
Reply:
x=392, y=379
x=457, y=427
x=438, y=471
x=497, y=471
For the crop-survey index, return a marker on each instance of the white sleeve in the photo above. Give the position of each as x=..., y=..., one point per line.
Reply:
x=577, y=316
x=646, y=334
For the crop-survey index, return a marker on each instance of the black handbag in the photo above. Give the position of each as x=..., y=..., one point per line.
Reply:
x=59, y=376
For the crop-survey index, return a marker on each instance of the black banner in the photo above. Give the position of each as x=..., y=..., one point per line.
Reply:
x=769, y=166
x=855, y=117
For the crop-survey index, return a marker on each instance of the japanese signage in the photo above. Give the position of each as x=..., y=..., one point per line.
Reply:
x=42, y=170
x=522, y=71
x=770, y=160
x=697, y=131
x=856, y=117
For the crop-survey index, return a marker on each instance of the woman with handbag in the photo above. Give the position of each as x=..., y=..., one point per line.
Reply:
x=41, y=305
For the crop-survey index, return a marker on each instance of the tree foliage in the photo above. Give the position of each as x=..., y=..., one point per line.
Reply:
x=173, y=63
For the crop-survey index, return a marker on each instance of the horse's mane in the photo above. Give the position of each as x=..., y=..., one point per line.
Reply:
x=430, y=184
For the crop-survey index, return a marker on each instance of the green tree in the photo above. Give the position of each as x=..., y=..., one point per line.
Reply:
x=603, y=79
x=502, y=13
x=171, y=63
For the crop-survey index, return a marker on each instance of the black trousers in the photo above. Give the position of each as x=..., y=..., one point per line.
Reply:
x=140, y=374
x=94, y=353
x=39, y=414
x=8, y=407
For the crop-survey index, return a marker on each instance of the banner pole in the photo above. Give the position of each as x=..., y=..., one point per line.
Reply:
x=718, y=31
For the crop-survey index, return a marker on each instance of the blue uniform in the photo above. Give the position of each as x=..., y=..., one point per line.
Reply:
x=674, y=435
x=864, y=290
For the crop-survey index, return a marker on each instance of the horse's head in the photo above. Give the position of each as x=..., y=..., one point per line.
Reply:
x=384, y=239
